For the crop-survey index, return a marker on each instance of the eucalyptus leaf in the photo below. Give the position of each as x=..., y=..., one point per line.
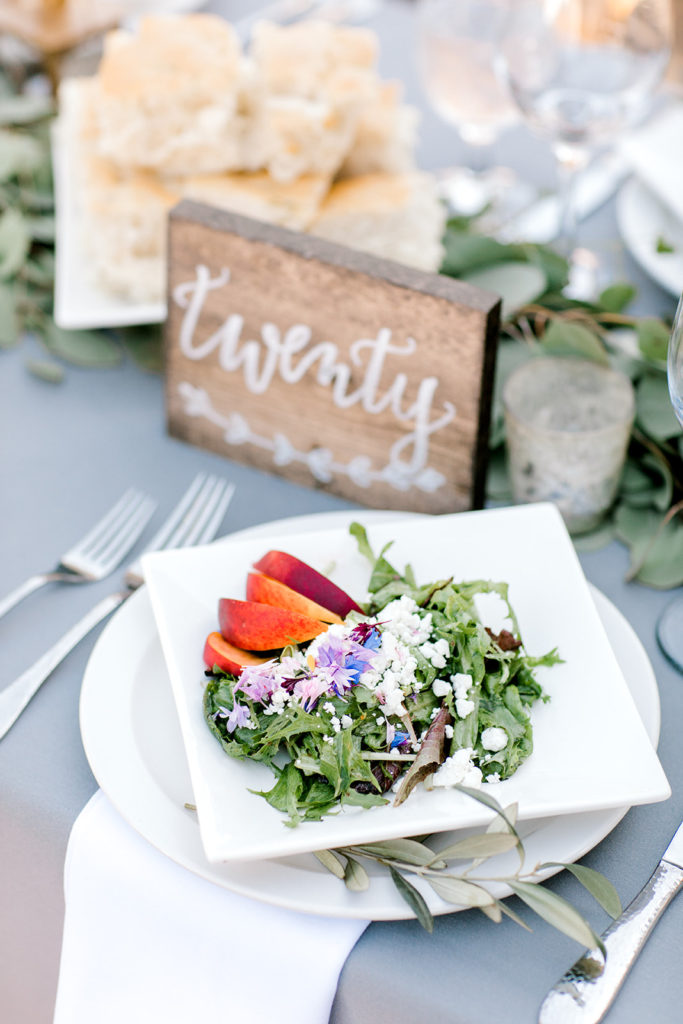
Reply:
x=656, y=549
x=654, y=411
x=653, y=339
x=24, y=109
x=14, y=242
x=145, y=347
x=518, y=284
x=466, y=252
x=569, y=339
x=600, y=888
x=460, y=892
x=554, y=266
x=53, y=373
x=9, y=323
x=355, y=875
x=557, y=912
x=414, y=899
x=616, y=297
x=330, y=860
x=41, y=229
x=598, y=538
x=479, y=846
x=20, y=155
x=83, y=348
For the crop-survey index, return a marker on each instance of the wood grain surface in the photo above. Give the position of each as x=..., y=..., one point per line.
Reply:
x=438, y=356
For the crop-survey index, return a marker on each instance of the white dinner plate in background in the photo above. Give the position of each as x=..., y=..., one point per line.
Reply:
x=643, y=220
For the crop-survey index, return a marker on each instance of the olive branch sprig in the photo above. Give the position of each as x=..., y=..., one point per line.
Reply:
x=415, y=857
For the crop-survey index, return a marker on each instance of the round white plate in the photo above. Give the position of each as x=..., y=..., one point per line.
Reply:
x=642, y=220
x=132, y=740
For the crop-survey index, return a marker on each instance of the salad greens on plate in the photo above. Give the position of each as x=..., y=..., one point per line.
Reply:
x=420, y=687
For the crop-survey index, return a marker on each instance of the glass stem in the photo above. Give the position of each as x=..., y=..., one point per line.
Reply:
x=571, y=160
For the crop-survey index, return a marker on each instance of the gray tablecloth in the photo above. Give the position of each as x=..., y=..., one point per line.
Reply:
x=65, y=453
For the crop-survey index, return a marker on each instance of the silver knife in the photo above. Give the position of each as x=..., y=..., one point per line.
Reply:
x=585, y=993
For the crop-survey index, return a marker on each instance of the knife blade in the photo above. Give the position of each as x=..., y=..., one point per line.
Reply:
x=584, y=994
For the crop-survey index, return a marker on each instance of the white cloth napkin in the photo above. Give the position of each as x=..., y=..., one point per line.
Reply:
x=146, y=940
x=655, y=154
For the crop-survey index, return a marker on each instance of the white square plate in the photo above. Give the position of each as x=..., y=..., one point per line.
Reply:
x=591, y=750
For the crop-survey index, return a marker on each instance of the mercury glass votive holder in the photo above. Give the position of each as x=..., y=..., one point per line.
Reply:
x=568, y=423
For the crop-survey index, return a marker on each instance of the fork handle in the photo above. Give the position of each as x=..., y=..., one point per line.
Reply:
x=23, y=590
x=16, y=696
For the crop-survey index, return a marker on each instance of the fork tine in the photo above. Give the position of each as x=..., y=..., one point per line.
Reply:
x=160, y=539
x=210, y=530
x=202, y=508
x=128, y=534
x=105, y=526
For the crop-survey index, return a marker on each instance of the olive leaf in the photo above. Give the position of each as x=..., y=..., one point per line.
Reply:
x=557, y=912
x=479, y=846
x=600, y=888
x=460, y=892
x=414, y=899
x=406, y=850
x=330, y=860
x=355, y=875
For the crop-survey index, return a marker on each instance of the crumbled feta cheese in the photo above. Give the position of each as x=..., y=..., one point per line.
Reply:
x=464, y=707
x=346, y=721
x=335, y=723
x=436, y=653
x=493, y=778
x=402, y=619
x=494, y=738
x=461, y=684
x=448, y=730
x=459, y=768
x=329, y=707
x=440, y=688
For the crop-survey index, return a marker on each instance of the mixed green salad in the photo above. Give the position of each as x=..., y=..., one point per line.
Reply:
x=419, y=687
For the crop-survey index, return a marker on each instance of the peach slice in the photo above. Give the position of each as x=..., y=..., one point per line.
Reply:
x=217, y=651
x=261, y=627
x=307, y=581
x=267, y=591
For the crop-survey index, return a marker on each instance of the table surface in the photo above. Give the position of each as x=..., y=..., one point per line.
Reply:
x=68, y=451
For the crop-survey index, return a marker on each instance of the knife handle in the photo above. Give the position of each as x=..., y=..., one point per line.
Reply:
x=585, y=993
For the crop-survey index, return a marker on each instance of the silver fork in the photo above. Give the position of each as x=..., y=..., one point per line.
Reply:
x=96, y=554
x=194, y=520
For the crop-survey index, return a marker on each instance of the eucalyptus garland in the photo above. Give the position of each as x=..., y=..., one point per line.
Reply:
x=27, y=235
x=537, y=318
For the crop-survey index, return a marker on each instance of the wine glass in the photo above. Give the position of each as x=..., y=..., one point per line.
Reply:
x=457, y=43
x=670, y=625
x=581, y=71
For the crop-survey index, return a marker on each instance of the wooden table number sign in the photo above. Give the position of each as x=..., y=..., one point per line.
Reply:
x=333, y=368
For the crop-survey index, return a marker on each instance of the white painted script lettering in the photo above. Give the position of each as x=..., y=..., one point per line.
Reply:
x=291, y=354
